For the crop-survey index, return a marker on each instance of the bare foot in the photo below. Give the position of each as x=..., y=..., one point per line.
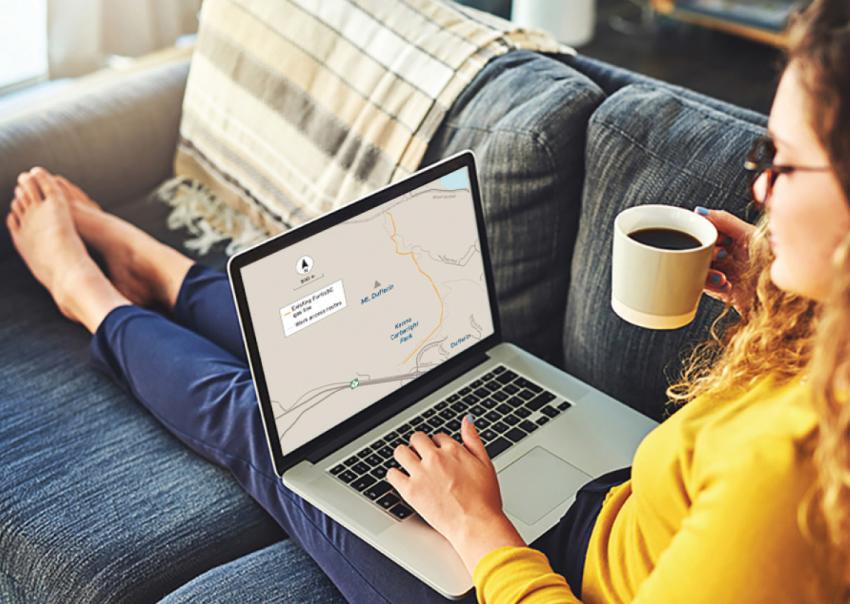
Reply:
x=143, y=269
x=43, y=232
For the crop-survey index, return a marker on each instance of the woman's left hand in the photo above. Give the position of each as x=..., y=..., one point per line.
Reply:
x=453, y=486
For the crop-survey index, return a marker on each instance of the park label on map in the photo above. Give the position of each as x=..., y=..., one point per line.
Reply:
x=313, y=308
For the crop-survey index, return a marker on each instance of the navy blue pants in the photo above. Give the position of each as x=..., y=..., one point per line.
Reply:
x=191, y=373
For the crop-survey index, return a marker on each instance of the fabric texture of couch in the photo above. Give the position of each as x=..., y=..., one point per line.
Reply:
x=99, y=503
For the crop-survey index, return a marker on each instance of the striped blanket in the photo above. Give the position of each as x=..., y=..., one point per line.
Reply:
x=296, y=107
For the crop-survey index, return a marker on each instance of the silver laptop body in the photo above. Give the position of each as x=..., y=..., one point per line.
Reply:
x=378, y=319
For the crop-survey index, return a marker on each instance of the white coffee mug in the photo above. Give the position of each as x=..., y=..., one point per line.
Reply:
x=654, y=287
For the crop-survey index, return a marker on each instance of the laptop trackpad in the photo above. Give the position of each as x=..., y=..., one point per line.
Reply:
x=536, y=483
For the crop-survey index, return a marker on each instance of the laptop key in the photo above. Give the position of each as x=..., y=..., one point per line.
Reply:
x=388, y=500
x=516, y=434
x=448, y=414
x=499, y=369
x=511, y=420
x=454, y=397
x=481, y=423
x=363, y=482
x=504, y=409
x=499, y=427
x=441, y=405
x=488, y=375
x=377, y=489
x=374, y=460
x=505, y=377
x=497, y=446
x=429, y=412
x=478, y=411
x=492, y=386
x=522, y=412
x=360, y=468
x=564, y=406
x=379, y=473
x=351, y=460
x=458, y=407
x=489, y=403
x=550, y=411
x=386, y=452
x=336, y=470
x=537, y=402
x=482, y=392
x=476, y=384
x=528, y=426
x=526, y=394
x=488, y=435
x=401, y=511
x=511, y=389
x=464, y=391
x=347, y=476
x=499, y=396
x=470, y=399
x=492, y=416
x=542, y=420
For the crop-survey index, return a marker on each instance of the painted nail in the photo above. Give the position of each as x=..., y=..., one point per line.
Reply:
x=714, y=278
x=722, y=254
x=470, y=418
x=701, y=211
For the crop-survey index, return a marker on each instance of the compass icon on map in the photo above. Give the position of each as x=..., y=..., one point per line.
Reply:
x=305, y=265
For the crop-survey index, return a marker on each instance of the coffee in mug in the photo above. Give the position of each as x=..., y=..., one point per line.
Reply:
x=666, y=239
x=660, y=262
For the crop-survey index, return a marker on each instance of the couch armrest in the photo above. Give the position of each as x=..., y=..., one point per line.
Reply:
x=114, y=137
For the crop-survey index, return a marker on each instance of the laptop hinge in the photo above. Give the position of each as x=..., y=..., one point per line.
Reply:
x=385, y=412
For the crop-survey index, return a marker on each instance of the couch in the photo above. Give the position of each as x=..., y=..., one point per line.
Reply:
x=98, y=502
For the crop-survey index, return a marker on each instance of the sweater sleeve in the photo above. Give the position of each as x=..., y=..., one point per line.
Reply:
x=514, y=574
x=739, y=542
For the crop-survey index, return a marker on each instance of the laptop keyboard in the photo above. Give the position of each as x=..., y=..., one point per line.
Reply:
x=507, y=407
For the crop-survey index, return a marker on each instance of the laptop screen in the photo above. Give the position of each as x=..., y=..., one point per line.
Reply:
x=347, y=316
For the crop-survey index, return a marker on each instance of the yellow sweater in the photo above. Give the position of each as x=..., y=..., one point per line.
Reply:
x=710, y=514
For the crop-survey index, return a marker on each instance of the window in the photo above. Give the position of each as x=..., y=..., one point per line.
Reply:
x=23, y=42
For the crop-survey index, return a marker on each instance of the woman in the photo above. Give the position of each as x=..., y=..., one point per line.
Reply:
x=742, y=495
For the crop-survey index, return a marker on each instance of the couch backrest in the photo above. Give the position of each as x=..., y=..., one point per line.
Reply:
x=525, y=117
x=647, y=143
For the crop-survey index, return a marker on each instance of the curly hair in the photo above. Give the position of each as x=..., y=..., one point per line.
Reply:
x=784, y=334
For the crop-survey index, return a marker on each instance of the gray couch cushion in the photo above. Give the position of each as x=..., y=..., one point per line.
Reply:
x=97, y=501
x=646, y=144
x=281, y=572
x=525, y=116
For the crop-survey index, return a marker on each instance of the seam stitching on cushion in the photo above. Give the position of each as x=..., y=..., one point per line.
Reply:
x=665, y=160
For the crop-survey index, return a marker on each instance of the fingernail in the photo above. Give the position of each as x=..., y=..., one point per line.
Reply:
x=722, y=254
x=714, y=278
x=470, y=418
x=701, y=210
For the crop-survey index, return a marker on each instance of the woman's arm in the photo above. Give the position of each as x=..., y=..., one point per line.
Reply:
x=453, y=486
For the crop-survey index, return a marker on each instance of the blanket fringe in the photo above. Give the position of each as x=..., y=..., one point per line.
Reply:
x=210, y=221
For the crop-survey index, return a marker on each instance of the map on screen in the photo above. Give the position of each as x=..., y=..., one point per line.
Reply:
x=345, y=317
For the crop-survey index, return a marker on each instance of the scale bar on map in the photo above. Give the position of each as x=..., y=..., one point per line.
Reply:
x=312, y=308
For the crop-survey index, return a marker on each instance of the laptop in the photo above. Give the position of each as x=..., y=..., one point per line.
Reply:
x=379, y=319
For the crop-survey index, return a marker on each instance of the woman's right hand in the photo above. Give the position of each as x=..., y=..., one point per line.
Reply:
x=730, y=255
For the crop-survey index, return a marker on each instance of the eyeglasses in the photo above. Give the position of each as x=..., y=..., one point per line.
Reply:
x=760, y=162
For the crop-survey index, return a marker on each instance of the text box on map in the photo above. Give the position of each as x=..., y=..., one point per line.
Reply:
x=312, y=308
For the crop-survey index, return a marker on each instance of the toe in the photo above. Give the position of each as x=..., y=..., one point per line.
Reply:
x=30, y=188
x=18, y=209
x=47, y=183
x=12, y=222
